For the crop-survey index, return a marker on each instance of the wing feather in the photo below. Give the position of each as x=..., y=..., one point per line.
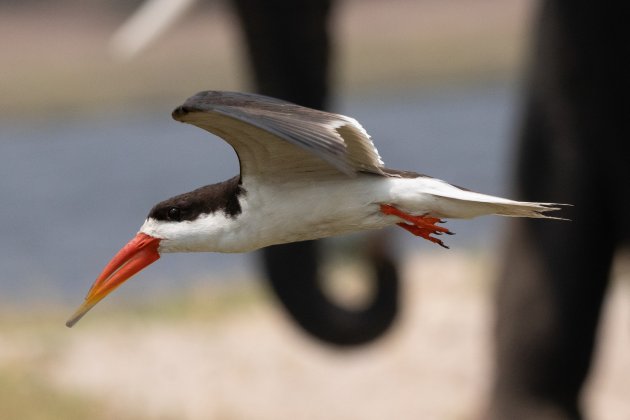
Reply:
x=277, y=138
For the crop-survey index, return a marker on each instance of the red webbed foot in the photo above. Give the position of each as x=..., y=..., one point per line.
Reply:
x=423, y=226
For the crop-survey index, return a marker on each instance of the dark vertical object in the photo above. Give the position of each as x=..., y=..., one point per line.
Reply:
x=571, y=150
x=289, y=49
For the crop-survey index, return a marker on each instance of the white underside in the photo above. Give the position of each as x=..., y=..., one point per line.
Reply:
x=276, y=213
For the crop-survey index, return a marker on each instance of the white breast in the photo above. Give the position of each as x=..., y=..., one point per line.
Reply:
x=289, y=211
x=295, y=211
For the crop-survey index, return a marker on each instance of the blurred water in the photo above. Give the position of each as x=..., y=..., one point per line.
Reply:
x=75, y=190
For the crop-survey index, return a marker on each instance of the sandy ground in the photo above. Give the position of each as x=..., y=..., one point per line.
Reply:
x=252, y=363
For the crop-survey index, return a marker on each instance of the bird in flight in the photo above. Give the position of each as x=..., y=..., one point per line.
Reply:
x=304, y=174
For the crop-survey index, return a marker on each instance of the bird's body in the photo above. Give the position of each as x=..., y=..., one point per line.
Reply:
x=305, y=174
x=295, y=213
x=332, y=206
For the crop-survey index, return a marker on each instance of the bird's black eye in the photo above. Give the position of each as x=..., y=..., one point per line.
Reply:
x=174, y=214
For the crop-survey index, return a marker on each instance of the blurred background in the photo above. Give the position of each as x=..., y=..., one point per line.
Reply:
x=87, y=146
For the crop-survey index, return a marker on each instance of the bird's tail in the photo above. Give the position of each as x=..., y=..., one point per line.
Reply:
x=421, y=208
x=437, y=198
x=527, y=209
x=468, y=204
x=449, y=201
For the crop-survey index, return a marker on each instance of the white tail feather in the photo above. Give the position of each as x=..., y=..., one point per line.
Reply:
x=449, y=201
x=529, y=209
x=481, y=204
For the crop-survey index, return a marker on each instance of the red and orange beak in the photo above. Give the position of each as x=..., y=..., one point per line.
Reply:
x=140, y=252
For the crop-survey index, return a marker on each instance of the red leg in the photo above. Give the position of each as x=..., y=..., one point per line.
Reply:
x=422, y=226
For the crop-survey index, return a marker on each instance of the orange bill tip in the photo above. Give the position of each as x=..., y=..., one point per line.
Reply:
x=140, y=252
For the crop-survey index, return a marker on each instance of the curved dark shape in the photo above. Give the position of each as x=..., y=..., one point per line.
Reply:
x=293, y=273
x=289, y=50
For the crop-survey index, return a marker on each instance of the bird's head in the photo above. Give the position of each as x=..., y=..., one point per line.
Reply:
x=190, y=222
